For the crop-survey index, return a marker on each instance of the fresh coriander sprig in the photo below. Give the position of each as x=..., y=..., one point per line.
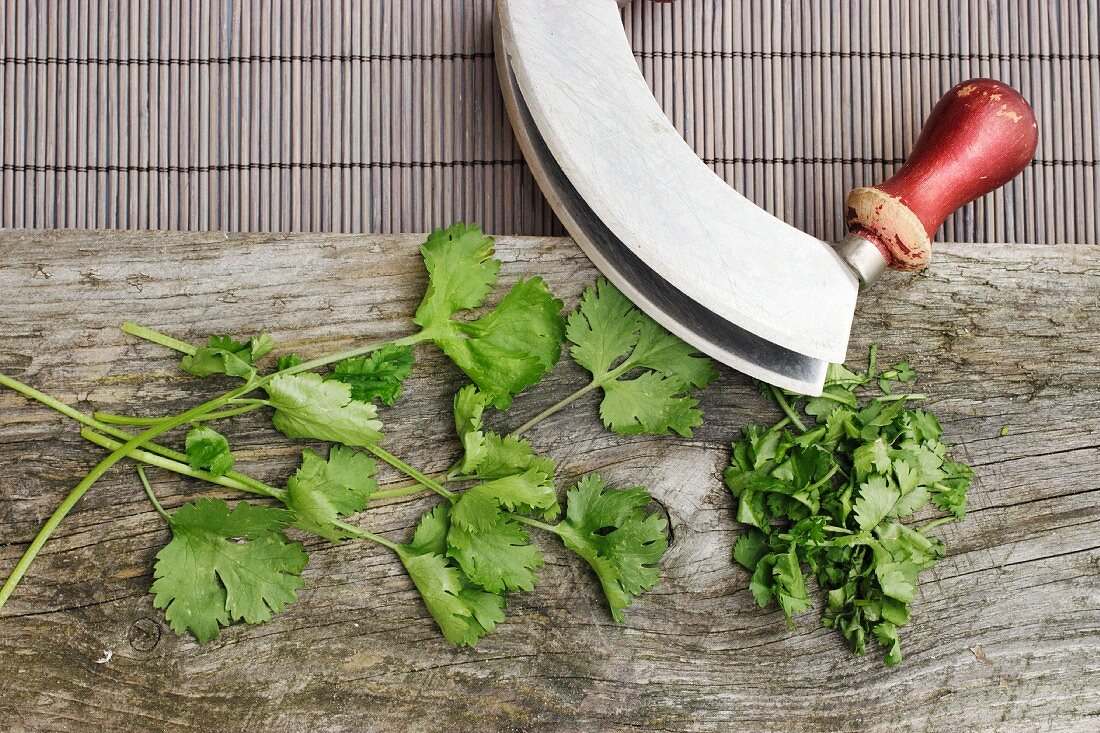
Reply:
x=237, y=564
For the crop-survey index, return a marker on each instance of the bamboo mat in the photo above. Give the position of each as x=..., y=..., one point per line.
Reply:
x=384, y=115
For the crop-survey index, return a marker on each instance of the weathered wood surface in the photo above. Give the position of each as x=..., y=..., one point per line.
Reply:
x=1004, y=335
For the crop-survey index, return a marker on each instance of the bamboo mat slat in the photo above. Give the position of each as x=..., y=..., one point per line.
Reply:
x=384, y=115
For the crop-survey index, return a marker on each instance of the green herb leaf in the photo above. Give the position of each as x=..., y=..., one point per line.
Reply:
x=323, y=490
x=614, y=535
x=486, y=454
x=287, y=361
x=306, y=406
x=509, y=348
x=223, y=566
x=498, y=557
x=464, y=612
x=610, y=339
x=377, y=376
x=223, y=355
x=208, y=450
x=479, y=508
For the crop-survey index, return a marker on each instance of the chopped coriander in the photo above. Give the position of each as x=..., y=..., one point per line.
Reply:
x=829, y=499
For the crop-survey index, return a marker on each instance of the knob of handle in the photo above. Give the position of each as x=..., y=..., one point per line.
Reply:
x=978, y=137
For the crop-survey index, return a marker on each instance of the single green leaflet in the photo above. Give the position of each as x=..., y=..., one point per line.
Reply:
x=226, y=565
x=509, y=348
x=614, y=340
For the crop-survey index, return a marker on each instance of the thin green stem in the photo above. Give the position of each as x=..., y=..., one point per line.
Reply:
x=786, y=407
x=252, y=486
x=536, y=523
x=364, y=534
x=411, y=472
x=74, y=496
x=55, y=519
x=152, y=497
x=159, y=338
x=556, y=407
x=113, y=419
x=131, y=443
x=312, y=364
x=824, y=479
x=935, y=523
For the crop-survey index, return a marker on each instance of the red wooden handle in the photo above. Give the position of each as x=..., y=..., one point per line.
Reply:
x=978, y=137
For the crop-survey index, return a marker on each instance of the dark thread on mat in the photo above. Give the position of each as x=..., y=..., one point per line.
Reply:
x=898, y=55
x=235, y=167
x=479, y=55
x=249, y=59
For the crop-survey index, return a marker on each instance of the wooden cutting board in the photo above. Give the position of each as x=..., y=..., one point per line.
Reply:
x=1006, y=631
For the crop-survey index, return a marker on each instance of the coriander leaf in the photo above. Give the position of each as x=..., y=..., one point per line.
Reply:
x=207, y=577
x=223, y=355
x=872, y=457
x=763, y=580
x=208, y=450
x=487, y=455
x=659, y=350
x=464, y=613
x=604, y=328
x=497, y=558
x=790, y=588
x=751, y=547
x=876, y=501
x=611, y=531
x=887, y=635
x=287, y=361
x=611, y=338
x=323, y=490
x=913, y=494
x=378, y=375
x=510, y=455
x=650, y=404
x=478, y=509
x=306, y=406
x=509, y=348
x=461, y=272
x=469, y=406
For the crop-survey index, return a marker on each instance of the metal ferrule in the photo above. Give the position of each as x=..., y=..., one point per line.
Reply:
x=863, y=257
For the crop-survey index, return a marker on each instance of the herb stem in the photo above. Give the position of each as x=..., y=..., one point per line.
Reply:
x=159, y=338
x=78, y=491
x=113, y=419
x=364, y=534
x=411, y=472
x=786, y=407
x=55, y=519
x=556, y=407
x=935, y=523
x=251, y=486
x=152, y=497
x=536, y=523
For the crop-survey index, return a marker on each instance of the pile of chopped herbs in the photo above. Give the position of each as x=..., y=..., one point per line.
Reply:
x=836, y=499
x=242, y=562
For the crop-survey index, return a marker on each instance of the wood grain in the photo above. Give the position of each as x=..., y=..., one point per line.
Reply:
x=1006, y=631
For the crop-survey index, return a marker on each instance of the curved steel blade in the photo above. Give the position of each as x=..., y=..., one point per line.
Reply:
x=694, y=254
